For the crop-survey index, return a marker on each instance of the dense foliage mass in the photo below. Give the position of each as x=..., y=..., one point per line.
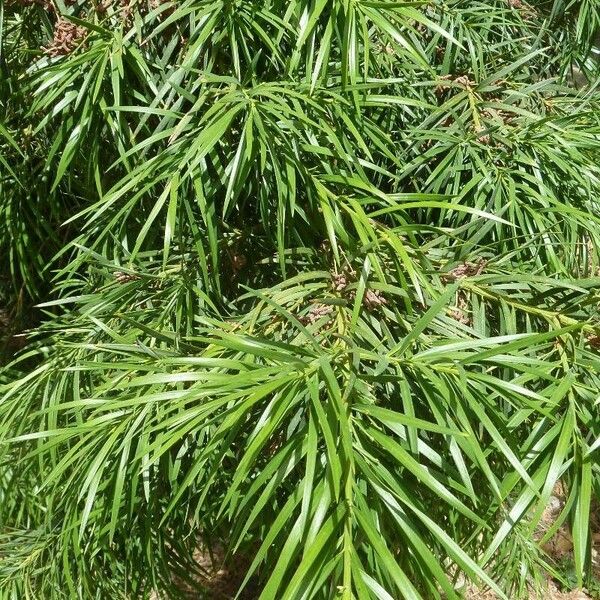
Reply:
x=317, y=282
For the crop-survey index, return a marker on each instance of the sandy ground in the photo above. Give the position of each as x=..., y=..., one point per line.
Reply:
x=559, y=548
x=552, y=593
x=221, y=582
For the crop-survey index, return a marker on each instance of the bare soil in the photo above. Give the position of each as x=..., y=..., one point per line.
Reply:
x=221, y=581
x=559, y=549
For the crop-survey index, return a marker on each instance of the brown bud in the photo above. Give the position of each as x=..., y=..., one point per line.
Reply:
x=67, y=38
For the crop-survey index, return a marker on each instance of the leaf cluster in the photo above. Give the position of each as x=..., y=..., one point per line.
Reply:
x=319, y=282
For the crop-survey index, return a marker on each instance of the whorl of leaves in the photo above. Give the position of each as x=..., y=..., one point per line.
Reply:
x=320, y=285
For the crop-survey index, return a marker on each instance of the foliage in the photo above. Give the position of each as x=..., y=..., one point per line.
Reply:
x=319, y=281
